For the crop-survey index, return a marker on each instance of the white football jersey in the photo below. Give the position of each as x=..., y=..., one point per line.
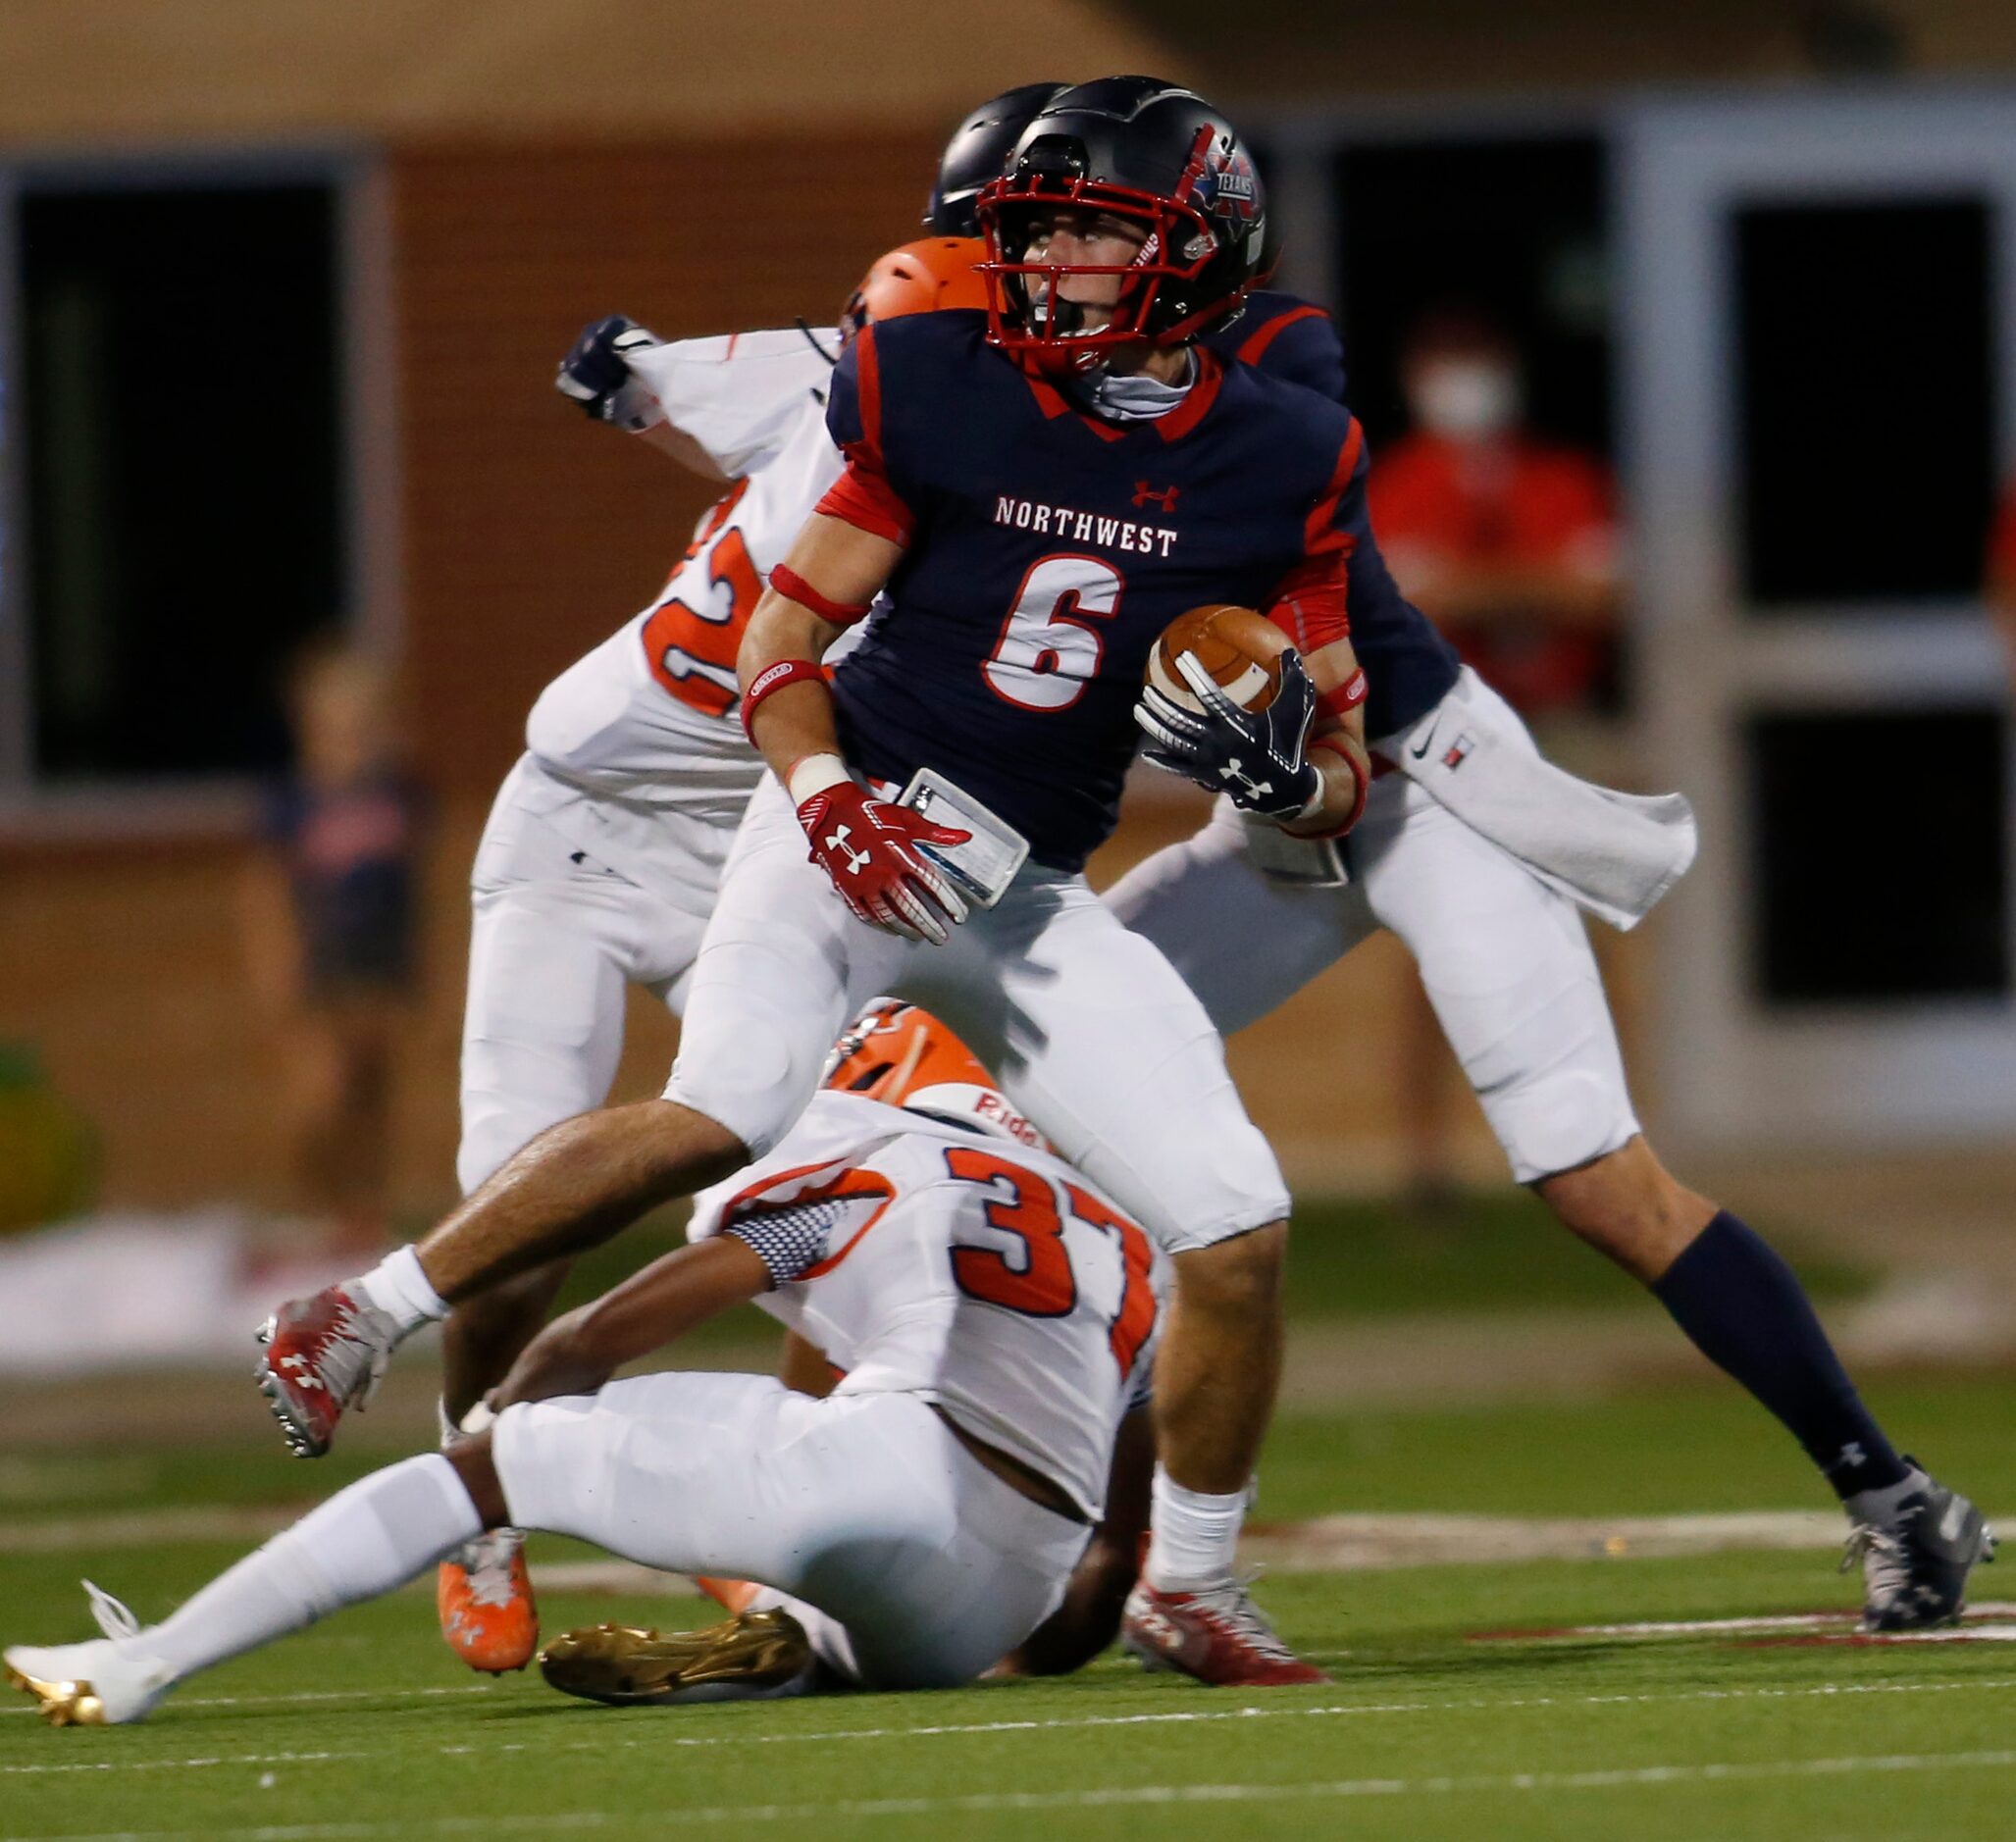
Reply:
x=982, y=1275
x=650, y=715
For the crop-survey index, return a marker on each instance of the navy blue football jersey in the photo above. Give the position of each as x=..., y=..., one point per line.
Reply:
x=1409, y=667
x=1287, y=337
x=1046, y=549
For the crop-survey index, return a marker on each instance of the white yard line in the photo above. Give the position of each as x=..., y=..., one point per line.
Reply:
x=143, y=1529
x=1337, y=1790
x=660, y=1740
x=310, y=1695
x=1320, y=1544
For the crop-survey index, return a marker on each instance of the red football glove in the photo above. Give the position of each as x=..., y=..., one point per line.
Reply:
x=868, y=846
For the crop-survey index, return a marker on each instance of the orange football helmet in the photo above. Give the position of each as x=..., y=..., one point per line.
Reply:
x=918, y=279
x=902, y=1055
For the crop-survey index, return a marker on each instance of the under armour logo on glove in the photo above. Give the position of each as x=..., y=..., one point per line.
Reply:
x=856, y=860
x=869, y=849
x=1255, y=755
x=1239, y=784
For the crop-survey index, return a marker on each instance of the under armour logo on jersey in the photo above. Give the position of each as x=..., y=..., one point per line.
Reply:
x=1164, y=497
x=836, y=840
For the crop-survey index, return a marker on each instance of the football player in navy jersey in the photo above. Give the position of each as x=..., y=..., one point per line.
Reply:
x=1509, y=969
x=1040, y=490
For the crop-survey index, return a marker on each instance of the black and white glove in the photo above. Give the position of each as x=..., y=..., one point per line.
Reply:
x=1254, y=756
x=594, y=372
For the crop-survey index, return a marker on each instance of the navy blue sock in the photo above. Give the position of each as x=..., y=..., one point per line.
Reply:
x=1745, y=1311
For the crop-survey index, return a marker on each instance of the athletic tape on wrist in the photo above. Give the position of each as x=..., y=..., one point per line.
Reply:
x=812, y=774
x=795, y=588
x=769, y=682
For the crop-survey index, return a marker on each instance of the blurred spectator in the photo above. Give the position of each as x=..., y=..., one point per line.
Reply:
x=1508, y=543
x=330, y=933
x=1504, y=540
x=2000, y=584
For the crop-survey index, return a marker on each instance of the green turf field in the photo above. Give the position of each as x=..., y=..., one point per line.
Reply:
x=365, y=1728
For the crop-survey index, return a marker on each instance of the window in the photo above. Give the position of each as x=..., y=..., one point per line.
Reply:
x=180, y=446
x=1866, y=401
x=1878, y=855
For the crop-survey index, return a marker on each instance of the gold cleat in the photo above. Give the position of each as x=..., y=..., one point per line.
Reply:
x=754, y=1654
x=61, y=1704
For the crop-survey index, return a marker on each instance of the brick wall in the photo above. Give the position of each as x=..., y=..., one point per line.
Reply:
x=531, y=532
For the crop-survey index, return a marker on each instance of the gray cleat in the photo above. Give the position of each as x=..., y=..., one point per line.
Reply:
x=1916, y=1552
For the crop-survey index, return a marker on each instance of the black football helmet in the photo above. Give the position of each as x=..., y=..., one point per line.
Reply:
x=979, y=150
x=1138, y=148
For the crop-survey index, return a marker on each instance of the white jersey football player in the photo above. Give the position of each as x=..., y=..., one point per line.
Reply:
x=996, y=1316
x=598, y=866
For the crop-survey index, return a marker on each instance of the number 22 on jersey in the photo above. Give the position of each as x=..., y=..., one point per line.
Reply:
x=691, y=651
x=1037, y=1277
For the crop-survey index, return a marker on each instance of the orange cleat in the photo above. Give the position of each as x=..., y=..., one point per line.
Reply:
x=732, y=1596
x=485, y=1599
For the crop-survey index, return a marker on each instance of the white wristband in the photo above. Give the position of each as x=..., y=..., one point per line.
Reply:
x=812, y=774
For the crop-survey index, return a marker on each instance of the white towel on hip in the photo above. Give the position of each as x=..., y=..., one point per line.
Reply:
x=1612, y=854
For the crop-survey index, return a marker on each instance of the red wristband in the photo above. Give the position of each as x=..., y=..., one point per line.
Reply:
x=795, y=588
x=771, y=679
x=1345, y=698
x=1359, y=773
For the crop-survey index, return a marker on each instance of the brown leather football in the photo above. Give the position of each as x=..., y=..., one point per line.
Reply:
x=1240, y=650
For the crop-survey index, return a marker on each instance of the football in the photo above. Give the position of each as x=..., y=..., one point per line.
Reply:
x=1240, y=648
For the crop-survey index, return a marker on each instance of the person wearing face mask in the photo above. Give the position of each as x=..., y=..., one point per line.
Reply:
x=1506, y=541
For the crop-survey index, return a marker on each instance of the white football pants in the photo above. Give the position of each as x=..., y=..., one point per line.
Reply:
x=1505, y=962
x=1089, y=1029
x=556, y=933
x=910, y=1564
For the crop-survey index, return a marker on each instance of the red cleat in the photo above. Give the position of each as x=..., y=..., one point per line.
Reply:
x=483, y=1595
x=1218, y=1635
x=323, y=1354
x=732, y=1596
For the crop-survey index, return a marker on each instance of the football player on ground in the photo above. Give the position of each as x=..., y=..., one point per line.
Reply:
x=1040, y=490
x=600, y=861
x=996, y=1316
x=602, y=853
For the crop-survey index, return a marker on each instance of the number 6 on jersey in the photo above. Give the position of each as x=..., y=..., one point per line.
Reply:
x=1048, y=651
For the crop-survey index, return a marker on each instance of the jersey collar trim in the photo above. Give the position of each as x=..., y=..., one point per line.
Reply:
x=1210, y=375
x=1054, y=403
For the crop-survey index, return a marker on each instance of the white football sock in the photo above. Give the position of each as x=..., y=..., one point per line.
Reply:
x=377, y=1534
x=399, y=1289
x=1194, y=1536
